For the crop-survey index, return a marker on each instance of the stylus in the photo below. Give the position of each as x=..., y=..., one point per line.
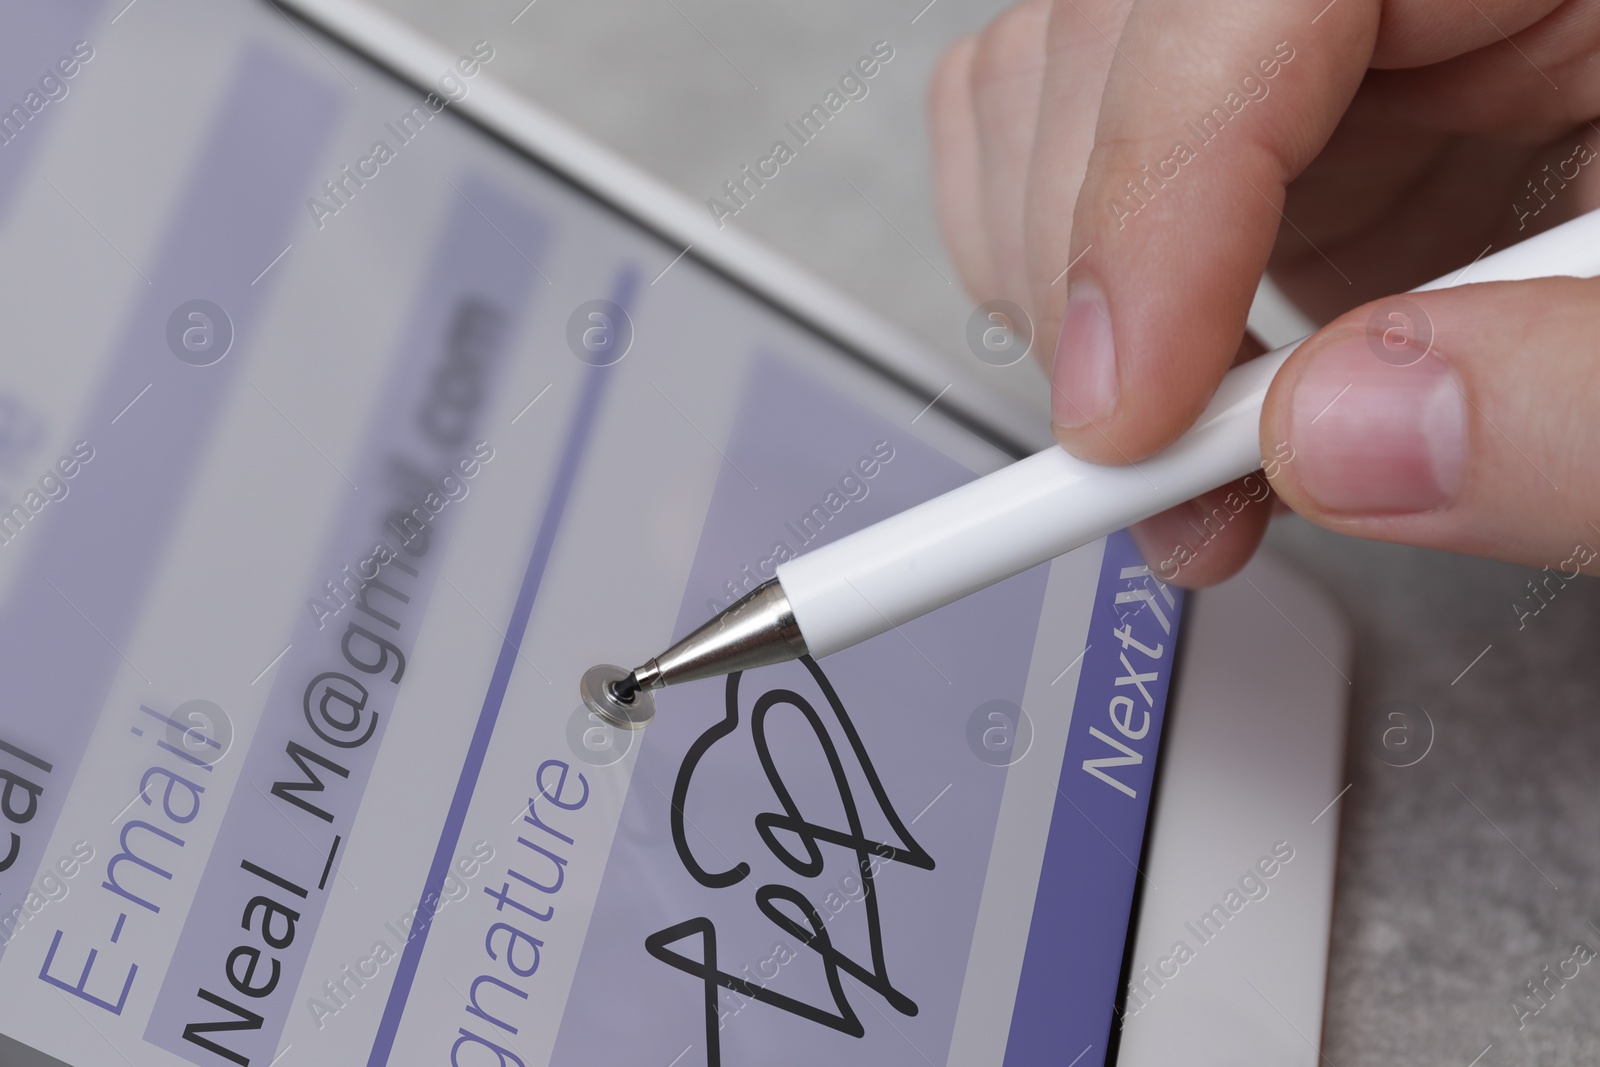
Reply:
x=1034, y=510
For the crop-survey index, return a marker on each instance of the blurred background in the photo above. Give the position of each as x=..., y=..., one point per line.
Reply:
x=1470, y=843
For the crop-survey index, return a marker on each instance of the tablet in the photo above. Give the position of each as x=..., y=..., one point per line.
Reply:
x=356, y=412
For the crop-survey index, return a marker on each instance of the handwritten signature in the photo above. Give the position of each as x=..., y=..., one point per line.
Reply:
x=788, y=908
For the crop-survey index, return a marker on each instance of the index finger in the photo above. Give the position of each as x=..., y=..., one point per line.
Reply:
x=1210, y=109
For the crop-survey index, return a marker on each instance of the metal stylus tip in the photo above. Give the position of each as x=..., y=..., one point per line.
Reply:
x=616, y=696
x=628, y=688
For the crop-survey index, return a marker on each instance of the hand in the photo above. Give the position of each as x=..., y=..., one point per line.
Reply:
x=1171, y=151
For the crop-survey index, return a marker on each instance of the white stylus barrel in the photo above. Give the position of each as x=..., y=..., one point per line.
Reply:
x=1050, y=503
x=1017, y=517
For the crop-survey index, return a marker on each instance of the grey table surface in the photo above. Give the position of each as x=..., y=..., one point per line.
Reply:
x=1461, y=876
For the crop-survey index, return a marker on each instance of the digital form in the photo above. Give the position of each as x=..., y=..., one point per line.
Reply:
x=342, y=440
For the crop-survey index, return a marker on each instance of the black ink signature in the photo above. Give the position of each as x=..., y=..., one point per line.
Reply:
x=776, y=900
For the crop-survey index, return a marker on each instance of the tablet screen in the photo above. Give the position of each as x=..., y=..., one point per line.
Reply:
x=337, y=440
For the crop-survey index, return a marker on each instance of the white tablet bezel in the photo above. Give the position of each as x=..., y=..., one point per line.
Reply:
x=964, y=397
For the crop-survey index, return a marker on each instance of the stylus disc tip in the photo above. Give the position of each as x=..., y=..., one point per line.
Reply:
x=600, y=691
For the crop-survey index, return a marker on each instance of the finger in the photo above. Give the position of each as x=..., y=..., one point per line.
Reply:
x=1007, y=72
x=1080, y=43
x=1482, y=446
x=1395, y=206
x=1526, y=75
x=1205, y=540
x=953, y=130
x=1209, y=110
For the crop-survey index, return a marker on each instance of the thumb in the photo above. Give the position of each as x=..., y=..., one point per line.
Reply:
x=1464, y=419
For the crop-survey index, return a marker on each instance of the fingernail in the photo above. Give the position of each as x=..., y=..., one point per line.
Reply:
x=1083, y=386
x=1373, y=438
